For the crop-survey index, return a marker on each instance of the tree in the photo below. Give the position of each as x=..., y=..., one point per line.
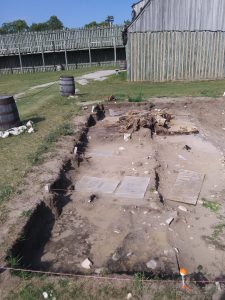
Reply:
x=54, y=23
x=91, y=25
x=127, y=22
x=14, y=27
x=108, y=22
x=39, y=27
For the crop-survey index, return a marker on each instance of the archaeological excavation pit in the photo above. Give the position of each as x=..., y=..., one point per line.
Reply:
x=131, y=198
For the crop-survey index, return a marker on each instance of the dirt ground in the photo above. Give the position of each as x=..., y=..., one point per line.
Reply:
x=129, y=234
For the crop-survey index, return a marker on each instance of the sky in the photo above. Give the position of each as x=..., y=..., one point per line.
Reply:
x=73, y=13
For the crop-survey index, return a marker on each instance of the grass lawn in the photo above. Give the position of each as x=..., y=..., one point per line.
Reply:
x=122, y=89
x=51, y=113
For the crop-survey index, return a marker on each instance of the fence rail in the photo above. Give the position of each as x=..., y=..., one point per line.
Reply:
x=165, y=56
x=37, y=42
x=53, y=68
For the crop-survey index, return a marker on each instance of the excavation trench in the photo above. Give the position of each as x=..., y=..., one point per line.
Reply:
x=110, y=202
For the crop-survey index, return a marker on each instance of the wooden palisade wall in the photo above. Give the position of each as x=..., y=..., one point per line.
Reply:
x=175, y=55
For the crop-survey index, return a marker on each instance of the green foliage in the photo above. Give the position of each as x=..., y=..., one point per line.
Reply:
x=52, y=24
x=21, y=26
x=26, y=213
x=218, y=230
x=213, y=206
x=138, y=98
x=5, y=193
x=108, y=22
x=14, y=27
x=126, y=22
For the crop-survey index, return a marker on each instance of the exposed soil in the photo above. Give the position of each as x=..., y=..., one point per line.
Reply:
x=122, y=235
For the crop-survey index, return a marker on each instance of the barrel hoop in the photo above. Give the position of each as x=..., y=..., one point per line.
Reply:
x=62, y=85
x=17, y=121
x=7, y=101
x=9, y=113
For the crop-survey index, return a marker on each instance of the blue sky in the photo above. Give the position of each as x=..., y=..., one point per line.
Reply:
x=73, y=13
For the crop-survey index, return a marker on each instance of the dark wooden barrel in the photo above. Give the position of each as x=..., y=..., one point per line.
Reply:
x=9, y=116
x=67, y=85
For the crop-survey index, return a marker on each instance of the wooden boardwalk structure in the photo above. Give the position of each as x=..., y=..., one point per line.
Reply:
x=60, y=41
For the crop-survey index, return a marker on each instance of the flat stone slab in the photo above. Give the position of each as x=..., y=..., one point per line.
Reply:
x=95, y=184
x=187, y=187
x=133, y=187
x=99, y=153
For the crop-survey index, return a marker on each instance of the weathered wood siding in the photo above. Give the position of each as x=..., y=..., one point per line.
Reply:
x=181, y=15
x=137, y=7
x=36, y=42
x=165, y=56
x=76, y=59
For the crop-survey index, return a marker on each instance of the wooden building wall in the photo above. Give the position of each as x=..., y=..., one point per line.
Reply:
x=165, y=56
x=180, y=15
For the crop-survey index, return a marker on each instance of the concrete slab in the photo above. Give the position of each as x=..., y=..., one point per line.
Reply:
x=187, y=187
x=95, y=184
x=133, y=187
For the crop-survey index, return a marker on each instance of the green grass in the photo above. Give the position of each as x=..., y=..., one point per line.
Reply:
x=5, y=192
x=84, y=289
x=51, y=115
x=218, y=230
x=118, y=86
x=211, y=205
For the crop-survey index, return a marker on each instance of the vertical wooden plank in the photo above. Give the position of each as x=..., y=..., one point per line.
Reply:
x=164, y=55
x=115, y=54
x=89, y=51
x=66, y=59
x=20, y=59
x=43, y=56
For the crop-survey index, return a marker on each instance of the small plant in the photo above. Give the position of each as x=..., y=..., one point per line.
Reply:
x=213, y=206
x=138, y=282
x=26, y=213
x=138, y=98
x=5, y=193
x=218, y=230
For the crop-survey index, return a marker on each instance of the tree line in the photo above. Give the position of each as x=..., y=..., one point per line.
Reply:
x=53, y=23
x=21, y=26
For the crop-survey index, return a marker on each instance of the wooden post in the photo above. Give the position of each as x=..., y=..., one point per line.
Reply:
x=43, y=56
x=20, y=58
x=90, y=52
x=115, y=54
x=66, y=59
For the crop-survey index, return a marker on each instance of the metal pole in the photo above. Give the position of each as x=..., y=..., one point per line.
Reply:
x=90, y=52
x=66, y=59
x=115, y=54
x=20, y=58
